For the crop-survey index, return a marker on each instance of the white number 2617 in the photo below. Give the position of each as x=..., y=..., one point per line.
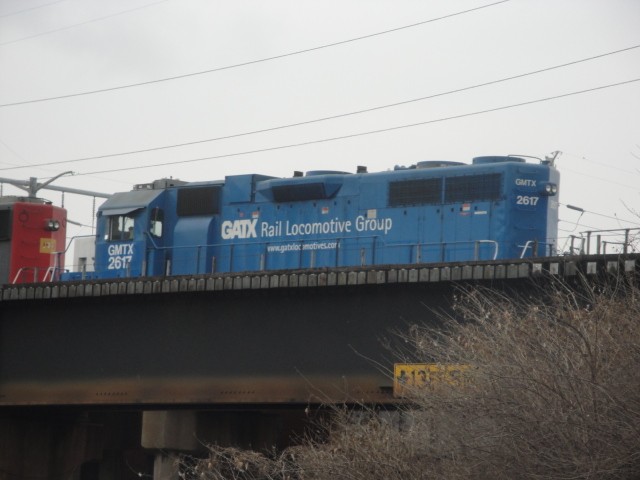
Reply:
x=527, y=200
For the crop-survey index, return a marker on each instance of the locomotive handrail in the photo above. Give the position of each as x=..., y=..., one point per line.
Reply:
x=339, y=241
x=49, y=272
x=535, y=244
x=25, y=269
x=264, y=245
x=71, y=241
x=495, y=250
x=333, y=239
x=200, y=245
x=52, y=271
x=527, y=245
x=153, y=243
x=441, y=245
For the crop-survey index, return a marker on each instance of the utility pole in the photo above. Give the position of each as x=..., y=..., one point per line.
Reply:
x=32, y=186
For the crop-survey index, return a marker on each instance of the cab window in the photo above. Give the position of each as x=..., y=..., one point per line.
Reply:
x=156, y=220
x=120, y=228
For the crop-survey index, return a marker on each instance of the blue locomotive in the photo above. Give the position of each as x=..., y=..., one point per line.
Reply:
x=432, y=212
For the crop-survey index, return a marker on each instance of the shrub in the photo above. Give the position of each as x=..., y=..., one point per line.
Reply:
x=551, y=389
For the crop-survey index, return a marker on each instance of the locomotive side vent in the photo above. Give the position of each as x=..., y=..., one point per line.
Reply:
x=473, y=188
x=299, y=192
x=415, y=192
x=199, y=201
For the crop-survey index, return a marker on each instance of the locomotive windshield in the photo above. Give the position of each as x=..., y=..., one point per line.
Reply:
x=120, y=228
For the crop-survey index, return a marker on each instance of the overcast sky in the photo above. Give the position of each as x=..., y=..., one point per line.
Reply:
x=331, y=58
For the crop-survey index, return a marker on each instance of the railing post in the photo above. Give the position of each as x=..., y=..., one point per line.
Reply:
x=373, y=250
x=213, y=264
x=56, y=265
x=626, y=241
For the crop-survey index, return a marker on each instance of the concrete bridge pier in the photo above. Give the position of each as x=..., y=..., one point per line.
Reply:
x=73, y=443
x=170, y=433
x=165, y=467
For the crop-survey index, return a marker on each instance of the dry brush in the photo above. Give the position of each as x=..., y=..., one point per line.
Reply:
x=551, y=389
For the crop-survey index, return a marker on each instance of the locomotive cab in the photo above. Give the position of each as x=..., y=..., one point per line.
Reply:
x=132, y=233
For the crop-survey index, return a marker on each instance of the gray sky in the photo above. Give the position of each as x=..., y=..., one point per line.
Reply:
x=57, y=48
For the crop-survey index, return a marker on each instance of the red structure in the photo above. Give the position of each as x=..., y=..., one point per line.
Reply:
x=32, y=240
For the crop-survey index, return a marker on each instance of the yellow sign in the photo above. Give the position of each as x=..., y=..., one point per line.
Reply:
x=411, y=376
x=47, y=245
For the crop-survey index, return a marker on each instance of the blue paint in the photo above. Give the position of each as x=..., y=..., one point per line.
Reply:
x=430, y=213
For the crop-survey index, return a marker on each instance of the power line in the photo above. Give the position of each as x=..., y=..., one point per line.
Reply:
x=31, y=8
x=307, y=122
x=576, y=223
x=68, y=27
x=633, y=187
x=601, y=215
x=574, y=229
x=612, y=217
x=244, y=64
x=20, y=157
x=371, y=132
x=13, y=152
x=582, y=157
